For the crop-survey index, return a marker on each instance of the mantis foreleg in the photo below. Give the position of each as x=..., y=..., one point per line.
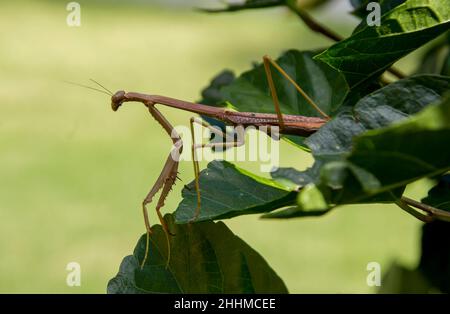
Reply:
x=165, y=180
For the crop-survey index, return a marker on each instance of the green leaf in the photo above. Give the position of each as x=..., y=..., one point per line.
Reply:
x=315, y=205
x=373, y=49
x=402, y=280
x=328, y=89
x=212, y=96
x=348, y=172
x=396, y=147
x=250, y=92
x=205, y=258
x=394, y=102
x=390, y=158
x=379, y=109
x=228, y=191
x=313, y=199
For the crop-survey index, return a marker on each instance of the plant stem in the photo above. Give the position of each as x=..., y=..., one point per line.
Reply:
x=445, y=215
x=403, y=205
x=313, y=24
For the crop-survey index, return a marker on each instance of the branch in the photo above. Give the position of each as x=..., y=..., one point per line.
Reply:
x=432, y=211
x=407, y=205
x=403, y=205
x=313, y=24
x=230, y=7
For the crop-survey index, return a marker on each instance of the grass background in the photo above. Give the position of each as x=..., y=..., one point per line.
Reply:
x=73, y=173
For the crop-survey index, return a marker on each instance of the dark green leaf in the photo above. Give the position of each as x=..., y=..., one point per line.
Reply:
x=346, y=176
x=379, y=109
x=212, y=96
x=250, y=91
x=205, y=258
x=373, y=49
x=227, y=191
x=433, y=273
x=435, y=259
x=388, y=158
x=399, y=279
x=439, y=195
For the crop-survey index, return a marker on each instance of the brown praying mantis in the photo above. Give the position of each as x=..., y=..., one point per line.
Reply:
x=282, y=123
x=286, y=124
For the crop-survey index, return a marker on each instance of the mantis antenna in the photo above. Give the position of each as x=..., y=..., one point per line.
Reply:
x=105, y=91
x=110, y=92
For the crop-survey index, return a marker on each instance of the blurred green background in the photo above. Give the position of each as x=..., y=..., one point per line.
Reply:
x=73, y=173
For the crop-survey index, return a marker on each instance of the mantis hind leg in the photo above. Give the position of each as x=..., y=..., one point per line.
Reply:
x=268, y=62
x=230, y=142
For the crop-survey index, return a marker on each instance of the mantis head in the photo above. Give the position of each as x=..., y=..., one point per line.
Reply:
x=117, y=99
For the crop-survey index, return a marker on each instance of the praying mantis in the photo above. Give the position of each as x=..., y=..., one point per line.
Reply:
x=287, y=124
x=277, y=122
x=284, y=124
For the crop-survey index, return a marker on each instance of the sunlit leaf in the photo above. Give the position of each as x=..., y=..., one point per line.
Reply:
x=228, y=191
x=373, y=49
